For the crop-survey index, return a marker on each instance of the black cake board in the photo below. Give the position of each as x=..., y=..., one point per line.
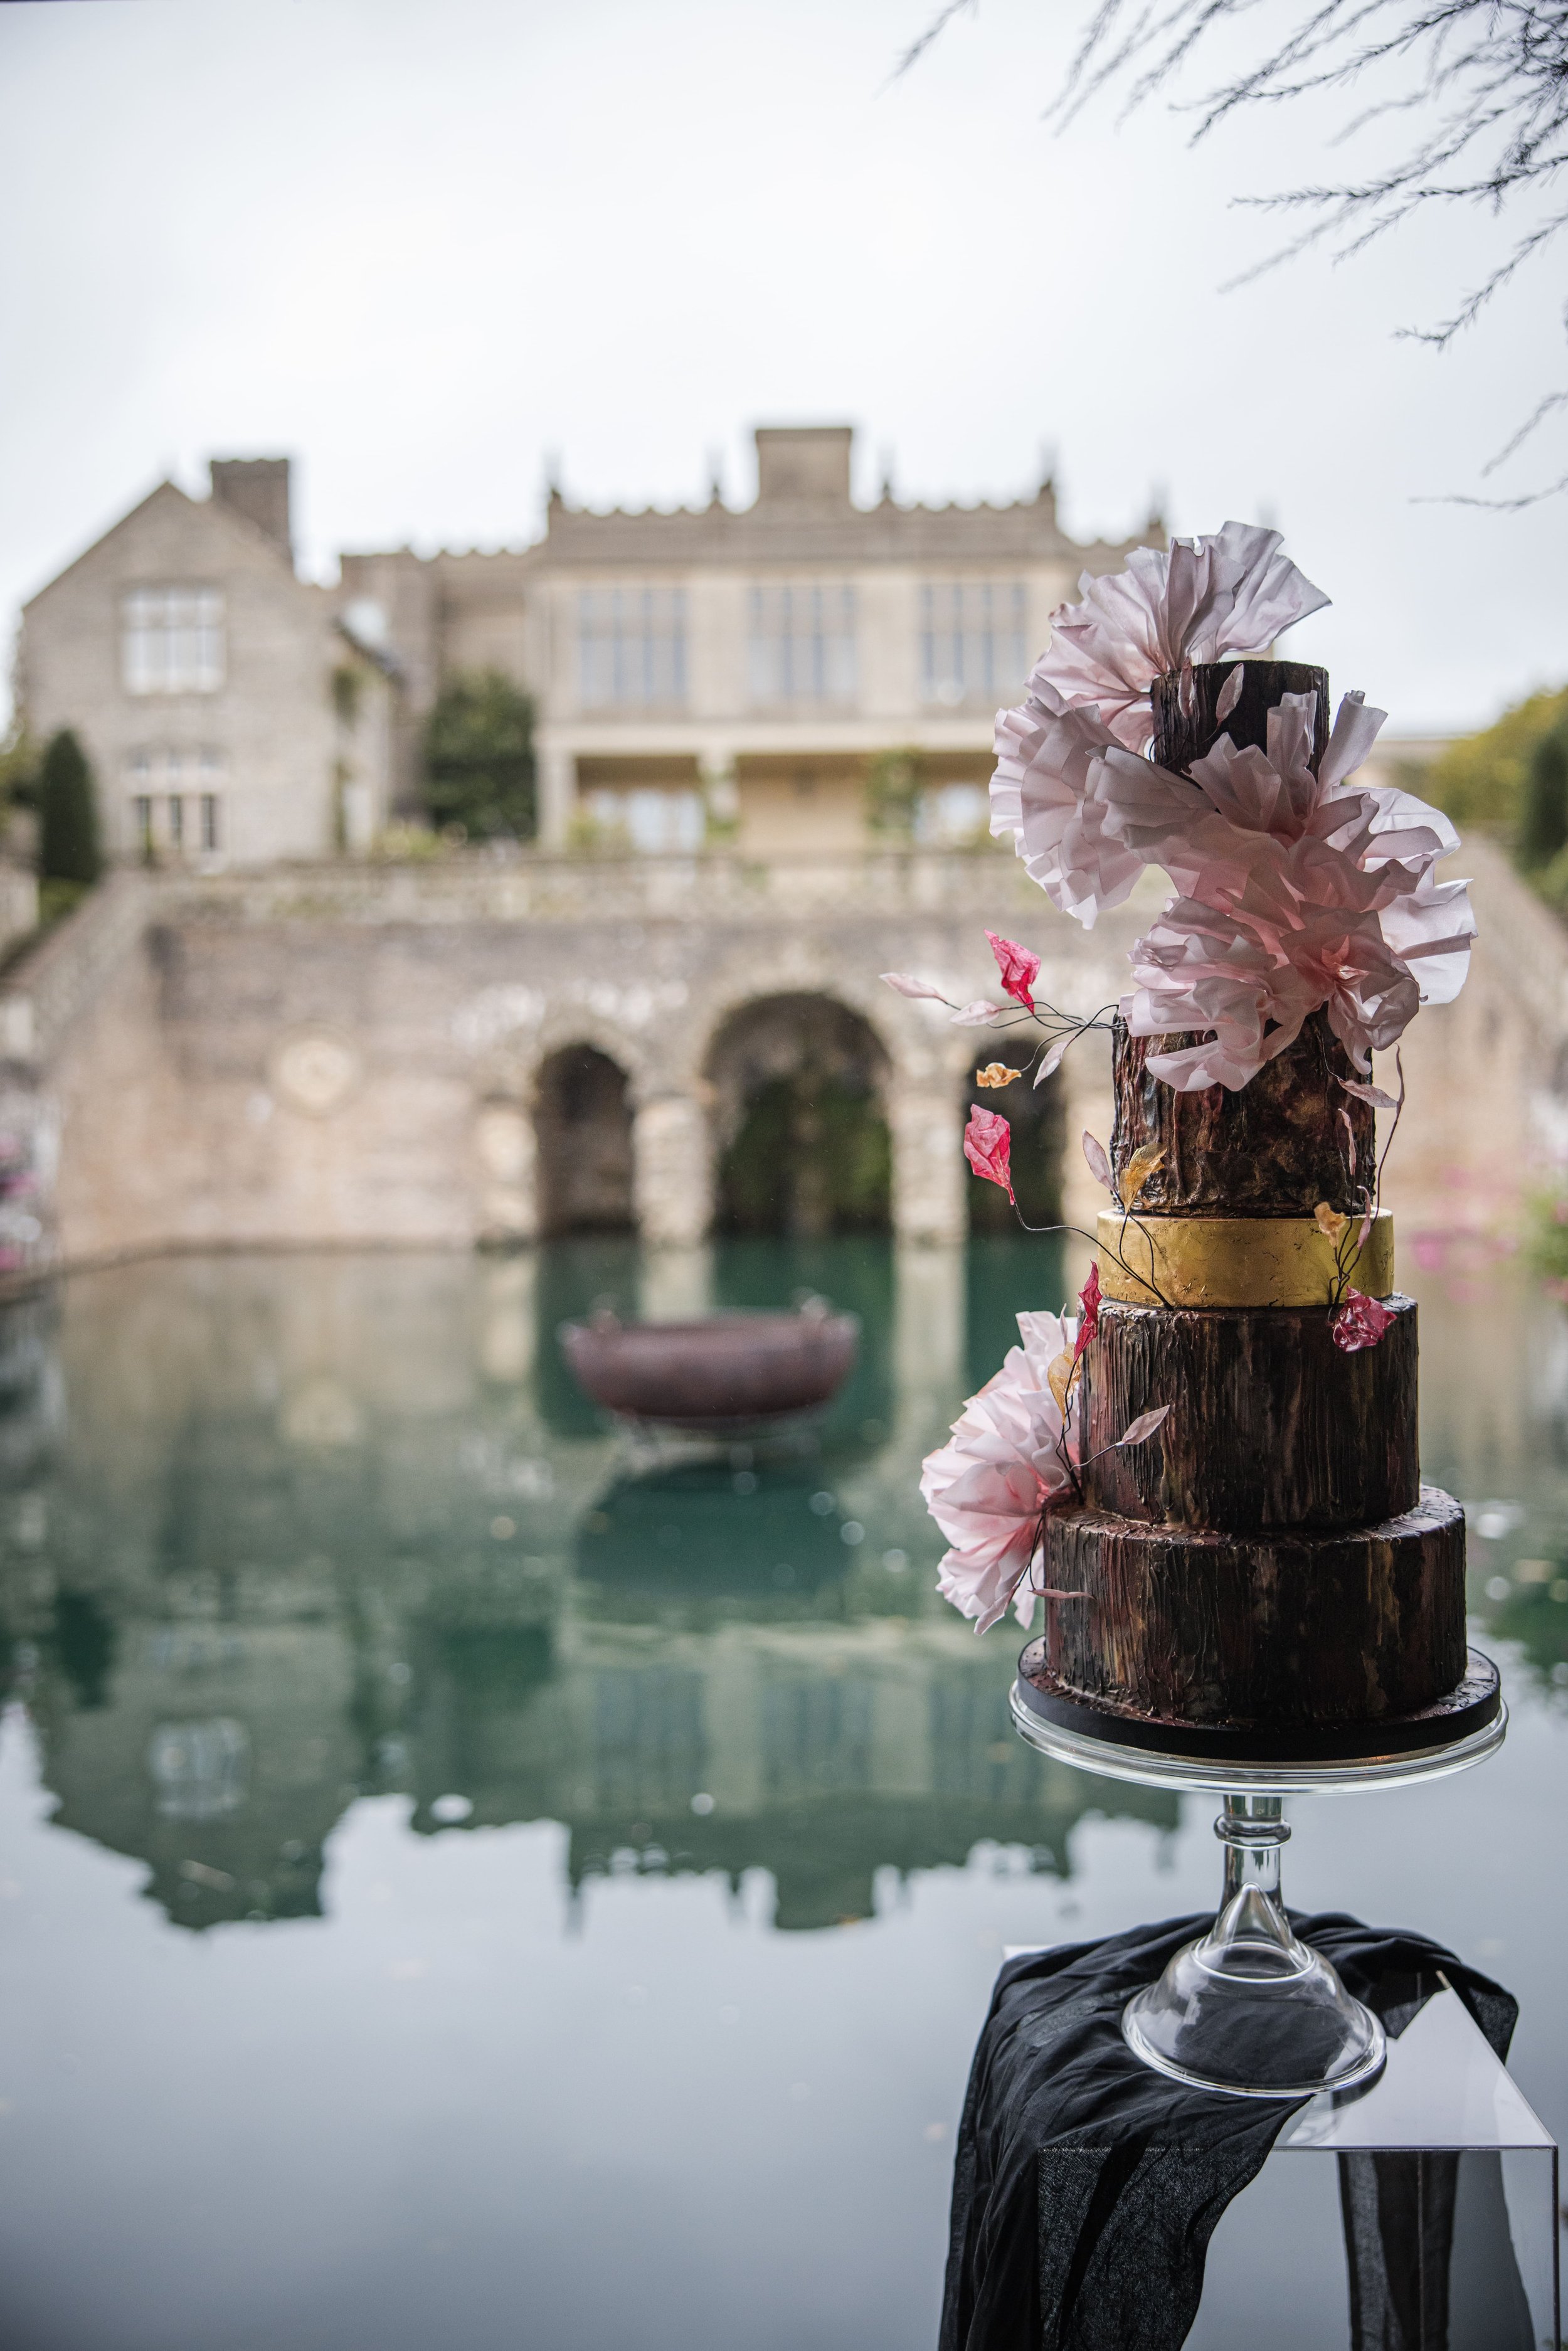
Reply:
x=1467, y=1709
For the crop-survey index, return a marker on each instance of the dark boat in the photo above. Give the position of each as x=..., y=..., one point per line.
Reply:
x=723, y=1374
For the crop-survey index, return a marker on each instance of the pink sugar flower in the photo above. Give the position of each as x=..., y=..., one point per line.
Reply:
x=987, y=1147
x=1008, y=1456
x=1359, y=1323
x=1019, y=968
x=1233, y=592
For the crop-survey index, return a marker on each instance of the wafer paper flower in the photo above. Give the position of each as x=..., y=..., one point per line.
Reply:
x=989, y=1147
x=1047, y=759
x=1296, y=888
x=1197, y=969
x=1019, y=968
x=1359, y=1323
x=1089, y=1320
x=1008, y=1455
x=1200, y=967
x=1233, y=592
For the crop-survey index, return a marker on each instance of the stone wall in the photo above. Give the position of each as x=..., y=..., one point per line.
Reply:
x=350, y=1055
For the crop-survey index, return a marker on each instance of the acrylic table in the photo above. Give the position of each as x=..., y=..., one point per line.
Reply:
x=1438, y=2228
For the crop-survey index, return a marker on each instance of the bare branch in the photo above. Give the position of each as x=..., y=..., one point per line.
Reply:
x=938, y=24
x=1477, y=91
x=1542, y=410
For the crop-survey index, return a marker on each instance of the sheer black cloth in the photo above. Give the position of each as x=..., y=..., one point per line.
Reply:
x=1086, y=2187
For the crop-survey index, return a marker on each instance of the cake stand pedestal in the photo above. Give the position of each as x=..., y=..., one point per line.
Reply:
x=1249, y=2009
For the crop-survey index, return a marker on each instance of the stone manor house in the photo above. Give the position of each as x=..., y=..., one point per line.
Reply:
x=260, y=1034
x=699, y=676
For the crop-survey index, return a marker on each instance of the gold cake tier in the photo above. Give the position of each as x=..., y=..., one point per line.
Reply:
x=1236, y=1261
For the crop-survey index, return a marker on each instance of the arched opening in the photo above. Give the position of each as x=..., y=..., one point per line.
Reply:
x=1038, y=1116
x=804, y=1147
x=584, y=1125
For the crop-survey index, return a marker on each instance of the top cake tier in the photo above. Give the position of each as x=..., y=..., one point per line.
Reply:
x=1280, y=1145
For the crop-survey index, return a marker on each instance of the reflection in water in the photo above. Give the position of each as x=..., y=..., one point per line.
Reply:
x=275, y=1534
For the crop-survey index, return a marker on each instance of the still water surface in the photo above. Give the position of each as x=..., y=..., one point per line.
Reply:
x=469, y=1880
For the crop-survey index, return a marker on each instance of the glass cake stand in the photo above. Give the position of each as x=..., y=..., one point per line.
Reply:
x=1249, y=2009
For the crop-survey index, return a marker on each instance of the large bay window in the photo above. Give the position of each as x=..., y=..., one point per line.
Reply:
x=631, y=648
x=973, y=644
x=802, y=646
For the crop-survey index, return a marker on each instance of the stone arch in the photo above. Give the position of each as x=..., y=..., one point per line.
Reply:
x=797, y=1085
x=583, y=1122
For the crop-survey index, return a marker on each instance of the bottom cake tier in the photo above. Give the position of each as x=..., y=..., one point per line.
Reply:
x=1262, y=1632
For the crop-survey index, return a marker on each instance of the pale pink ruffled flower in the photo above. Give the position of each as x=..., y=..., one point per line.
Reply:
x=988, y=1486
x=1207, y=599
x=1198, y=969
x=1042, y=798
x=1202, y=968
x=1294, y=889
x=1297, y=890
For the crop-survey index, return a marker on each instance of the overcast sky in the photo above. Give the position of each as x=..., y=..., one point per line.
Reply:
x=423, y=244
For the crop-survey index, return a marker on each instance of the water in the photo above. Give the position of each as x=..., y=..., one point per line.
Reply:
x=465, y=1881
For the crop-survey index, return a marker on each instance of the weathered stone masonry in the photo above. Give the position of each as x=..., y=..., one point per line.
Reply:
x=343, y=1055
x=355, y=1057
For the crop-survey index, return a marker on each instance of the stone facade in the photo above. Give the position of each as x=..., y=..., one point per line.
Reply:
x=230, y=713
x=707, y=675
x=367, y=1055
x=721, y=670
x=387, y=1056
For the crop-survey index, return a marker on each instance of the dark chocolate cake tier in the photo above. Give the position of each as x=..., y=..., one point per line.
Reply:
x=1268, y=1629
x=1275, y=1149
x=1272, y=1424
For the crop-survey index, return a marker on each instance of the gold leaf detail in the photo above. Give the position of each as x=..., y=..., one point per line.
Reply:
x=1145, y=1161
x=1059, y=1379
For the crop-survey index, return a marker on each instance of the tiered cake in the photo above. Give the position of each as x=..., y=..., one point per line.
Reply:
x=1268, y=1576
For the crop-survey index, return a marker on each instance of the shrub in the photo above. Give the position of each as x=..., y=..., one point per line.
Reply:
x=1546, y=1234
x=892, y=794
x=68, y=814
x=1544, y=803
x=479, y=758
x=1480, y=780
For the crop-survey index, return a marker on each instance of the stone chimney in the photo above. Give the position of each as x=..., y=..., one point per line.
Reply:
x=256, y=488
x=803, y=464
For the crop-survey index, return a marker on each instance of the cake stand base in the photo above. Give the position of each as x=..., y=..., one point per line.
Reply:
x=1249, y=2010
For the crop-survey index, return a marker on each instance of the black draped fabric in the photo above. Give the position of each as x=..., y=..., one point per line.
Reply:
x=1086, y=2187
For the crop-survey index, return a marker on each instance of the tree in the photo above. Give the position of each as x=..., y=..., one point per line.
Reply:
x=479, y=758
x=1543, y=813
x=68, y=814
x=1480, y=780
x=1476, y=93
x=18, y=768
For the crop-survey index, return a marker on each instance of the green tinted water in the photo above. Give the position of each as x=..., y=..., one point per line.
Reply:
x=471, y=1878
